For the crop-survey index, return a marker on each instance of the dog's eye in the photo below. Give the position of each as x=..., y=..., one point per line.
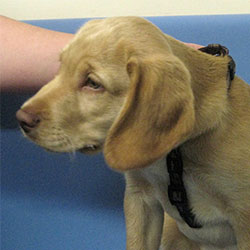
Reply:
x=92, y=84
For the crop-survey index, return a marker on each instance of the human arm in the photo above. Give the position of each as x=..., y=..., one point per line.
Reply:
x=29, y=55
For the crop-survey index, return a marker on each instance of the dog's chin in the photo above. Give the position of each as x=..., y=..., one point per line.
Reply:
x=90, y=149
x=86, y=149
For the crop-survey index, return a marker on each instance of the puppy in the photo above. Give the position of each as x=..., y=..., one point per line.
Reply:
x=141, y=96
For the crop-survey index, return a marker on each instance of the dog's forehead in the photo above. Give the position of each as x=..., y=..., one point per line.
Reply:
x=107, y=31
x=98, y=35
x=93, y=39
x=114, y=41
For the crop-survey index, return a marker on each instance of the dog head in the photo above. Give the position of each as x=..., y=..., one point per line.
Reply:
x=119, y=89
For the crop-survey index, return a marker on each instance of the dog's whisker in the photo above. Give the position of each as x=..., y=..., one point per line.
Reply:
x=72, y=151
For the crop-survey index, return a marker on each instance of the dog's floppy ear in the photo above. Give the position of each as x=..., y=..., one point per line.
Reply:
x=157, y=115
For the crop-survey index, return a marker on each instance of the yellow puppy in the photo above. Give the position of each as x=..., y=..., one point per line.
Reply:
x=126, y=88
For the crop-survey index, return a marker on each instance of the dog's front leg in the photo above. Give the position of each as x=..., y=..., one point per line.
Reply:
x=144, y=220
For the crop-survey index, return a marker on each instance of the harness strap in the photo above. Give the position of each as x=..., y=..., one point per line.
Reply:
x=176, y=189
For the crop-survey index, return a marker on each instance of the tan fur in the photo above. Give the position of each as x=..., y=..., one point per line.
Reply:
x=158, y=94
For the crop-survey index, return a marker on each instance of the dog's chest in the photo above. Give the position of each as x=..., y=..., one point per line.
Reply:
x=215, y=227
x=157, y=175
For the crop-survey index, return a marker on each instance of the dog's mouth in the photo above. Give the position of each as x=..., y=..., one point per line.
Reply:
x=89, y=149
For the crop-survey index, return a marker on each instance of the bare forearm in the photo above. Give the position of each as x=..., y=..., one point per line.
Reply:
x=29, y=55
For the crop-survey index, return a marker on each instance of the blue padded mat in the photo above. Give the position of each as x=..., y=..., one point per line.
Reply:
x=74, y=202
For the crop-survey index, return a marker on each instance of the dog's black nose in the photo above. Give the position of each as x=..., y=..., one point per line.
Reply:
x=27, y=121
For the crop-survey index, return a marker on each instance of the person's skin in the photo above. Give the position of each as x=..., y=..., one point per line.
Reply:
x=193, y=45
x=30, y=55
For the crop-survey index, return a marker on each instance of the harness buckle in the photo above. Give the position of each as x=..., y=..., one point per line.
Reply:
x=177, y=195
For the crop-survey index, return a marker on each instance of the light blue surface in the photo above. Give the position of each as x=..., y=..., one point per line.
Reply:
x=66, y=202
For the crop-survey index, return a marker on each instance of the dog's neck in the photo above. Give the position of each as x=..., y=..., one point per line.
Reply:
x=208, y=82
x=211, y=97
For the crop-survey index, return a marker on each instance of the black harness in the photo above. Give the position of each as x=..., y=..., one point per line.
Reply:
x=176, y=189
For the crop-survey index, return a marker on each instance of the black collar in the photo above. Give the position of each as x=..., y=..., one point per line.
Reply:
x=176, y=189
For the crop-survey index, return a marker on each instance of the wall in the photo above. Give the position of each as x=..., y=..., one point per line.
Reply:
x=52, y=9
